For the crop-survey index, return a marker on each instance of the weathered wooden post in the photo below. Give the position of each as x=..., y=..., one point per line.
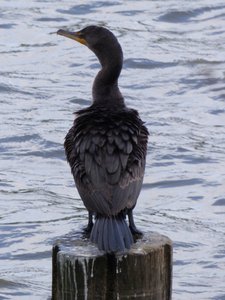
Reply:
x=82, y=272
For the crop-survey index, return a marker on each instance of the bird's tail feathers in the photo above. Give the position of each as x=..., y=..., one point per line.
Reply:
x=111, y=234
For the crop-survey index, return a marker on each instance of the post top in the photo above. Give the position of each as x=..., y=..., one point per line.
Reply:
x=83, y=248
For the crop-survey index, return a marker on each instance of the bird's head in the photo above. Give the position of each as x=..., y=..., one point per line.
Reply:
x=98, y=39
x=92, y=36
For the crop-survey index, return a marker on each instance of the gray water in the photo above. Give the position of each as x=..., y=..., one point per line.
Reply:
x=174, y=61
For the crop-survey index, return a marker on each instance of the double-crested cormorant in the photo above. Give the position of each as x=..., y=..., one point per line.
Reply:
x=106, y=147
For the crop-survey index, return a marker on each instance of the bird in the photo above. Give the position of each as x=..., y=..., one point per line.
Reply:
x=106, y=148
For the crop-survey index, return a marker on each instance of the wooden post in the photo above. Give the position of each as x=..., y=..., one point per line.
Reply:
x=82, y=272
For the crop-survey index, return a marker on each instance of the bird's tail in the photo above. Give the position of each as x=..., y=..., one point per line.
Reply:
x=111, y=234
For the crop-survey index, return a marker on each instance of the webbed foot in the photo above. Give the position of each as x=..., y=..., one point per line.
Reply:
x=90, y=224
x=136, y=232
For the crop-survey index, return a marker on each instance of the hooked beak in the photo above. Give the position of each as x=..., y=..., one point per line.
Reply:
x=72, y=35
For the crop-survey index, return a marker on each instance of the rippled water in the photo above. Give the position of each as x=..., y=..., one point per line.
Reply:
x=173, y=74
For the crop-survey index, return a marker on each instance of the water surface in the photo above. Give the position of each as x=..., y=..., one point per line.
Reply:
x=173, y=74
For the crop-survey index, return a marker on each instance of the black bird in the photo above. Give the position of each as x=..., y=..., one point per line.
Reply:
x=106, y=147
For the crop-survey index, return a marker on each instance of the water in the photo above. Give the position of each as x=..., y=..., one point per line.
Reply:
x=173, y=74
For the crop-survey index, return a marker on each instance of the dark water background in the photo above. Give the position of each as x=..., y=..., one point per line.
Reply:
x=174, y=74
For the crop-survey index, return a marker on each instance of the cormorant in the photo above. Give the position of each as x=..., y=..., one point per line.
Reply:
x=106, y=147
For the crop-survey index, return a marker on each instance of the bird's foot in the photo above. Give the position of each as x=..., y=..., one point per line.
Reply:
x=88, y=228
x=136, y=232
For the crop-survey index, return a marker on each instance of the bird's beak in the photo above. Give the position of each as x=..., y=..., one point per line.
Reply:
x=72, y=35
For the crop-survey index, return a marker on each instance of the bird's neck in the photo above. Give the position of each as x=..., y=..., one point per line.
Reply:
x=105, y=88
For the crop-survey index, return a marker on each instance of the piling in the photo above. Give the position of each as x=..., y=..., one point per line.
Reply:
x=82, y=272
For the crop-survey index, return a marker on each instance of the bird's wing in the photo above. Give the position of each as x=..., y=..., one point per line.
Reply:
x=107, y=163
